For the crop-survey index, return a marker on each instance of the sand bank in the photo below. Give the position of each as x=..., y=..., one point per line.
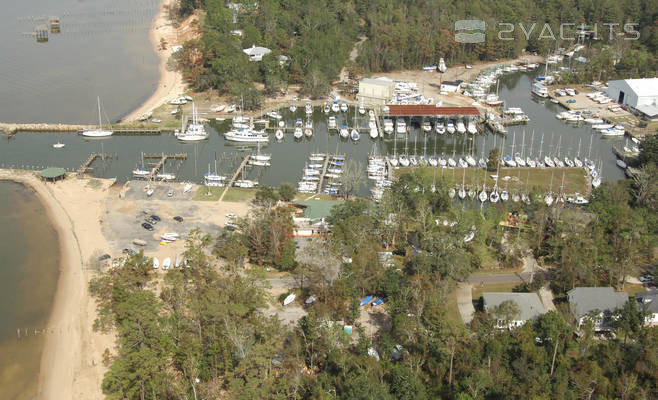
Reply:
x=171, y=81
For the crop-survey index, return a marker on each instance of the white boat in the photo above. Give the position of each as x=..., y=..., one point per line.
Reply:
x=156, y=263
x=451, y=193
x=460, y=126
x=166, y=264
x=472, y=128
x=187, y=188
x=393, y=161
x=483, y=196
x=354, y=135
x=470, y=160
x=578, y=162
x=442, y=161
x=388, y=125
x=374, y=133
x=343, y=131
x=510, y=162
x=549, y=162
x=494, y=196
x=451, y=127
x=516, y=198
x=245, y=183
x=308, y=108
x=246, y=135
x=442, y=66
x=58, y=145
x=504, y=196
x=149, y=192
x=326, y=108
x=289, y=299
x=298, y=133
x=596, y=182
x=519, y=160
x=401, y=126
x=621, y=164
x=100, y=132
x=274, y=114
x=451, y=162
x=362, y=109
x=530, y=162
x=433, y=161
x=548, y=199
x=195, y=130
x=293, y=108
x=334, y=106
x=165, y=177
x=343, y=106
x=462, y=163
x=602, y=126
x=539, y=89
x=404, y=161
x=427, y=126
x=282, y=124
x=612, y=132
x=332, y=122
x=440, y=127
x=278, y=134
x=469, y=237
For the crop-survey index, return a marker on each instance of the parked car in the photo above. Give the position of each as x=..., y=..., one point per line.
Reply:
x=104, y=257
x=147, y=226
x=155, y=217
x=128, y=251
x=178, y=218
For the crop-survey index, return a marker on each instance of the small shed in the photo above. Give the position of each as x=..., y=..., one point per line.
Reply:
x=375, y=91
x=52, y=174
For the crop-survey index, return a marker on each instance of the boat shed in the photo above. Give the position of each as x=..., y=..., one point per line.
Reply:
x=431, y=111
x=634, y=92
x=375, y=91
x=53, y=174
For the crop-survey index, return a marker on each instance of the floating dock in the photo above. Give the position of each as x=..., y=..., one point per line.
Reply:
x=323, y=173
x=162, y=160
x=86, y=166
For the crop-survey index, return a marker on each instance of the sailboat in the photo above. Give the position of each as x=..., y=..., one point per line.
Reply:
x=548, y=199
x=141, y=171
x=100, y=132
x=213, y=179
x=195, y=130
x=308, y=128
x=462, y=191
x=58, y=145
x=260, y=159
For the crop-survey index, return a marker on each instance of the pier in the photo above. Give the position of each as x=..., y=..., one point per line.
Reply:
x=163, y=159
x=235, y=175
x=11, y=129
x=323, y=173
x=86, y=166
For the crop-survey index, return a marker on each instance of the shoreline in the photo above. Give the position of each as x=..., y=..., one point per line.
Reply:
x=170, y=83
x=69, y=366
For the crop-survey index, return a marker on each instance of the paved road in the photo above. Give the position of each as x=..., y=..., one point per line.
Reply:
x=476, y=279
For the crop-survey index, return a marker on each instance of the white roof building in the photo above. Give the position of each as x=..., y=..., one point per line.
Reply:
x=634, y=93
x=375, y=91
x=256, y=53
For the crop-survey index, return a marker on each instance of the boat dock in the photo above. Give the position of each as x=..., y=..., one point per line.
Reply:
x=162, y=159
x=11, y=129
x=86, y=166
x=323, y=173
x=235, y=175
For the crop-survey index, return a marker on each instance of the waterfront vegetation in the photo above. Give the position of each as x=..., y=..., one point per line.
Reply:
x=200, y=332
x=316, y=39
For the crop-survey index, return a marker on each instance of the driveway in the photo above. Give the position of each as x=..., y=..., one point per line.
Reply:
x=465, y=302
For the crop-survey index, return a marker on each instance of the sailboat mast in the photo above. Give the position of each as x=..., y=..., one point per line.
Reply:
x=100, y=123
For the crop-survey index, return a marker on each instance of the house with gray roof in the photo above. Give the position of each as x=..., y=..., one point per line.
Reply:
x=648, y=303
x=528, y=305
x=597, y=304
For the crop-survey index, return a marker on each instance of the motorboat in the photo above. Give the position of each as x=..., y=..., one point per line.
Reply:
x=362, y=109
x=274, y=115
x=388, y=125
x=100, y=132
x=278, y=134
x=293, y=108
x=427, y=126
x=404, y=161
x=401, y=126
x=332, y=122
x=298, y=133
x=58, y=145
x=472, y=128
x=621, y=164
x=343, y=106
x=246, y=135
x=450, y=127
x=460, y=126
x=335, y=107
x=344, y=133
x=538, y=89
x=308, y=108
x=440, y=127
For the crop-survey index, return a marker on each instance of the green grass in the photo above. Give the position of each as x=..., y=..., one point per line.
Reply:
x=575, y=179
x=632, y=289
x=452, y=309
x=202, y=193
x=493, y=287
x=239, y=194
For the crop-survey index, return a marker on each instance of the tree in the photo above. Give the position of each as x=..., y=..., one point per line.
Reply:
x=351, y=178
x=506, y=312
x=315, y=85
x=645, y=186
x=267, y=196
x=494, y=159
x=287, y=191
x=648, y=150
x=287, y=261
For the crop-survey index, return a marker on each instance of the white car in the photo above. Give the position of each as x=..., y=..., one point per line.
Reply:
x=231, y=215
x=646, y=278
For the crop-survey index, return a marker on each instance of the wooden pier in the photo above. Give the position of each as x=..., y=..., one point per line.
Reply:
x=235, y=175
x=324, y=172
x=163, y=158
x=86, y=166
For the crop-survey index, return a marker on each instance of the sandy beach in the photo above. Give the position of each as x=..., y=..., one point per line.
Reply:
x=71, y=364
x=171, y=82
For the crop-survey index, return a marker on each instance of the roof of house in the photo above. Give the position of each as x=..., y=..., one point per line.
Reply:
x=317, y=209
x=378, y=82
x=529, y=304
x=641, y=87
x=255, y=50
x=648, y=110
x=587, y=299
x=417, y=110
x=648, y=300
x=52, y=172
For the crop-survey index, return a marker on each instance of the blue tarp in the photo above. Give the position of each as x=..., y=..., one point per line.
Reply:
x=378, y=301
x=348, y=329
x=366, y=300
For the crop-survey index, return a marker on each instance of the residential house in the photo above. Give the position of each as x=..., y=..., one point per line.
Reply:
x=256, y=53
x=311, y=217
x=597, y=304
x=529, y=307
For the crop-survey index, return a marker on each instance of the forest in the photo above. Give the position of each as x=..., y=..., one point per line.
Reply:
x=317, y=37
x=202, y=332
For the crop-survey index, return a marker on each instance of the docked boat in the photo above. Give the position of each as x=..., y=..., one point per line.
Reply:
x=362, y=109
x=335, y=107
x=373, y=133
x=245, y=183
x=332, y=122
x=246, y=135
x=274, y=115
x=538, y=89
x=308, y=128
x=166, y=264
x=141, y=172
x=293, y=108
x=470, y=160
x=621, y=164
x=440, y=127
x=509, y=161
x=404, y=161
x=460, y=126
x=401, y=126
x=344, y=133
x=451, y=127
x=472, y=128
x=326, y=108
x=504, y=196
x=494, y=196
x=195, y=130
x=388, y=125
x=355, y=135
x=427, y=127
x=278, y=134
x=308, y=108
x=100, y=132
x=483, y=196
x=549, y=162
x=298, y=133
x=343, y=106
x=519, y=160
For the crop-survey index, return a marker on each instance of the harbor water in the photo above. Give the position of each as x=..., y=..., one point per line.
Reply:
x=103, y=50
x=28, y=279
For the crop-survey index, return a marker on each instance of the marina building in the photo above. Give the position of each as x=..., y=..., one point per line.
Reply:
x=640, y=95
x=375, y=91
